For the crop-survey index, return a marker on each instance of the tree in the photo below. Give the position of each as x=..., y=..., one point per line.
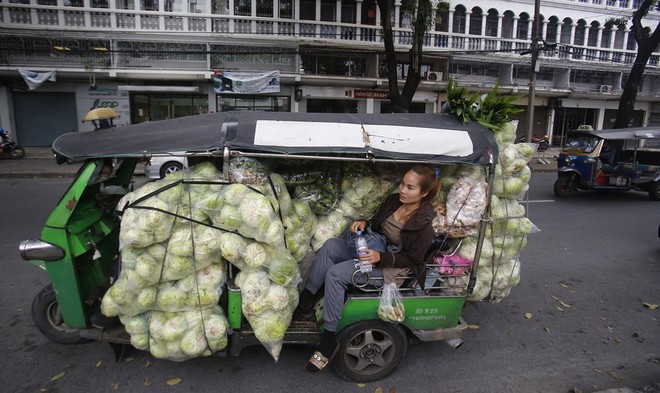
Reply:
x=422, y=12
x=646, y=44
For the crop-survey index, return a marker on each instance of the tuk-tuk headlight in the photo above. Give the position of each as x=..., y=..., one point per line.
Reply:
x=32, y=249
x=568, y=159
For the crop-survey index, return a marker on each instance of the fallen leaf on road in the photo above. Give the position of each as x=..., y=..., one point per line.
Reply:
x=58, y=376
x=473, y=326
x=528, y=315
x=115, y=386
x=655, y=360
x=43, y=389
x=546, y=329
x=576, y=390
x=615, y=376
x=651, y=306
x=129, y=359
x=378, y=390
x=610, y=328
x=566, y=305
x=147, y=364
x=361, y=385
x=173, y=381
x=598, y=370
x=393, y=389
x=99, y=363
x=147, y=382
x=560, y=309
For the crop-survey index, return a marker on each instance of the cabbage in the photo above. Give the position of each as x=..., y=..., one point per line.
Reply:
x=525, y=151
x=328, y=227
x=482, y=285
x=193, y=343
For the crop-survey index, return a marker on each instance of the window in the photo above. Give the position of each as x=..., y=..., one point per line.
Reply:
x=459, y=20
x=523, y=27
x=286, y=9
x=307, y=9
x=149, y=5
x=253, y=103
x=593, y=34
x=492, y=21
x=507, y=25
x=476, y=19
x=552, y=29
x=328, y=10
x=580, y=32
x=265, y=8
x=566, y=31
x=243, y=7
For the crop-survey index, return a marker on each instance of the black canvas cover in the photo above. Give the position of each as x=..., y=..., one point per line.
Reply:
x=419, y=137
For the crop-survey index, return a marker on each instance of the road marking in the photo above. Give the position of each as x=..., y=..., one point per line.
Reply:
x=539, y=201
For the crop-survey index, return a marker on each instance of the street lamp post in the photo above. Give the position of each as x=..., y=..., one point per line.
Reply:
x=532, y=75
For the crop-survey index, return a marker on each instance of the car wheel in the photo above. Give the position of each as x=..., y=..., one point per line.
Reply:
x=370, y=350
x=47, y=317
x=170, y=167
x=654, y=190
x=562, y=187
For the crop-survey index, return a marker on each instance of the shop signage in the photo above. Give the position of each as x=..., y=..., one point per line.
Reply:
x=247, y=82
x=375, y=94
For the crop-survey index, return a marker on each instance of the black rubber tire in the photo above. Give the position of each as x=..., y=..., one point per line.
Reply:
x=170, y=167
x=46, y=316
x=562, y=187
x=17, y=153
x=654, y=190
x=370, y=350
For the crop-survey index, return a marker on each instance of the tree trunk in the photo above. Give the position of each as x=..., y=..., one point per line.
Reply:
x=401, y=100
x=385, y=8
x=646, y=44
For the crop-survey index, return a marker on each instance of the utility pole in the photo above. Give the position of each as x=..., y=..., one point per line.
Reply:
x=532, y=75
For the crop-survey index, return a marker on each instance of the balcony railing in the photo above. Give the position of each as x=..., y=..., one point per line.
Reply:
x=38, y=17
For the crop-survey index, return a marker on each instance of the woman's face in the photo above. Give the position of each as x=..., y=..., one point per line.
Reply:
x=410, y=191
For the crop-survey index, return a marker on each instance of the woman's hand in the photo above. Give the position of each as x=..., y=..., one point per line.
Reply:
x=358, y=226
x=369, y=257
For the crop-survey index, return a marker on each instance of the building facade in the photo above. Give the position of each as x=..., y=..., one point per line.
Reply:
x=158, y=59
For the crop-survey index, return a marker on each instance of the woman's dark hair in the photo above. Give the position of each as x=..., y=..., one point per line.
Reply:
x=429, y=181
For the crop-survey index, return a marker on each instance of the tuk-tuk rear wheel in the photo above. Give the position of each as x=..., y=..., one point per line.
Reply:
x=654, y=190
x=370, y=350
x=563, y=186
x=48, y=318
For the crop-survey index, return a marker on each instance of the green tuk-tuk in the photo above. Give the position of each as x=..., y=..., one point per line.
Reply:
x=79, y=245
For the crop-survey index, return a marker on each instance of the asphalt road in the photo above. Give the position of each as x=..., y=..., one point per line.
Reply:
x=585, y=278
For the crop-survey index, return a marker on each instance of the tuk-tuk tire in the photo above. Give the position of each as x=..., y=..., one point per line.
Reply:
x=563, y=186
x=365, y=338
x=46, y=316
x=654, y=190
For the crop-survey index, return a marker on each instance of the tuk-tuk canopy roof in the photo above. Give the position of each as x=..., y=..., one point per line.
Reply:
x=630, y=133
x=433, y=138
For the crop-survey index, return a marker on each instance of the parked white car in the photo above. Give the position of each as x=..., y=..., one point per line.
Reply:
x=159, y=167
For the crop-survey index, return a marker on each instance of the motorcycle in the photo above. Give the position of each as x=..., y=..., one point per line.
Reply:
x=543, y=142
x=9, y=148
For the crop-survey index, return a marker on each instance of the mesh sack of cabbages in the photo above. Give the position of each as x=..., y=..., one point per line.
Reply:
x=338, y=193
x=211, y=221
x=463, y=208
x=172, y=272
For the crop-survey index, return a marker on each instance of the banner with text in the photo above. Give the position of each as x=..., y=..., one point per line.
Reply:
x=247, y=82
x=35, y=79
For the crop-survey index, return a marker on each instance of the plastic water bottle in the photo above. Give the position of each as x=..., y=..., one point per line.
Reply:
x=361, y=245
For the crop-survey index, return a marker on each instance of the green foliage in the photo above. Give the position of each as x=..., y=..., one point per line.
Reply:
x=490, y=110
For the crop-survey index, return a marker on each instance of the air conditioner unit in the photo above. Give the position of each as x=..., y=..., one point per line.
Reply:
x=605, y=88
x=434, y=76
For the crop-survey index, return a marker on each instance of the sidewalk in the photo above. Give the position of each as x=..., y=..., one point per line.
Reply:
x=39, y=162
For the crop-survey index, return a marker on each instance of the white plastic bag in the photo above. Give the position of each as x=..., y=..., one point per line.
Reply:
x=390, y=307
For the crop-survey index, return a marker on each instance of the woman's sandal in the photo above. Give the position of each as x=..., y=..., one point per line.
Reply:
x=318, y=361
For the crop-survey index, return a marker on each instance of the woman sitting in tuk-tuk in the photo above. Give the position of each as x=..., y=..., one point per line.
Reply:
x=405, y=221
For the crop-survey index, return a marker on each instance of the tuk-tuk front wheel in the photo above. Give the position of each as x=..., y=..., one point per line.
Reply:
x=370, y=350
x=48, y=318
x=654, y=190
x=563, y=186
